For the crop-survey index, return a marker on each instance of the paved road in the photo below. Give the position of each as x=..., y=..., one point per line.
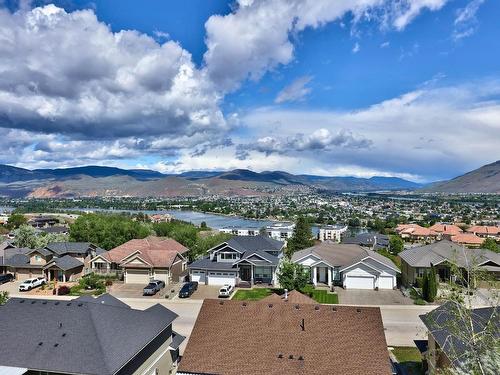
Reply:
x=401, y=322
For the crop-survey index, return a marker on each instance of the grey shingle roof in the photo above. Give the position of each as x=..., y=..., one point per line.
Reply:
x=448, y=323
x=437, y=252
x=61, y=248
x=92, y=338
x=207, y=264
x=177, y=340
x=368, y=239
x=253, y=243
x=342, y=255
x=44, y=252
x=20, y=260
x=66, y=262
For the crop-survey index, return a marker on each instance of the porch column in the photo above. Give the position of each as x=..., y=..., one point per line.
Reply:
x=315, y=277
x=329, y=276
x=64, y=277
x=251, y=275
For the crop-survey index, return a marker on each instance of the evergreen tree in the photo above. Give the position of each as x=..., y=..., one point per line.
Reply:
x=425, y=287
x=302, y=236
x=432, y=285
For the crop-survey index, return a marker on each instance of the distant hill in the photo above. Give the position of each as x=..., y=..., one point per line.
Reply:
x=482, y=180
x=110, y=181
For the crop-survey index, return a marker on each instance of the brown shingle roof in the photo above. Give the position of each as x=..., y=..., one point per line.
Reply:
x=294, y=297
x=157, y=251
x=234, y=338
x=450, y=229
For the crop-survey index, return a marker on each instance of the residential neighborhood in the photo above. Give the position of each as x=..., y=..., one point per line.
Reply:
x=250, y=187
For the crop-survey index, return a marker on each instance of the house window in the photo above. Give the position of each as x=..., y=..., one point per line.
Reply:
x=228, y=256
x=251, y=233
x=38, y=258
x=262, y=272
x=420, y=272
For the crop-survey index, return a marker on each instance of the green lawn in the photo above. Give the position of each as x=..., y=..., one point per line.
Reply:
x=254, y=294
x=410, y=358
x=322, y=296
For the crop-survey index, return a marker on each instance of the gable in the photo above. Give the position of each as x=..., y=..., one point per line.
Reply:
x=308, y=260
x=136, y=260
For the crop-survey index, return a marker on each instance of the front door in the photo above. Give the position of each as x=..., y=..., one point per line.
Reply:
x=245, y=273
x=321, y=275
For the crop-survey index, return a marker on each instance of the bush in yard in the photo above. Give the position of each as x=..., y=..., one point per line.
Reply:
x=4, y=297
x=293, y=276
x=109, y=282
x=62, y=290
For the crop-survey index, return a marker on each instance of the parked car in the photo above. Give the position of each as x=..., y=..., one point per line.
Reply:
x=226, y=290
x=188, y=289
x=32, y=283
x=6, y=278
x=153, y=287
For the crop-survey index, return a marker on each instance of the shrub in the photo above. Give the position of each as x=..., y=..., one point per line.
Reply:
x=109, y=282
x=62, y=291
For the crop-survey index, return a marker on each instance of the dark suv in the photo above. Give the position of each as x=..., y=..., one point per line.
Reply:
x=188, y=289
x=6, y=278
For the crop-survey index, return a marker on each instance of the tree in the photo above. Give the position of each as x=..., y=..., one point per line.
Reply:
x=432, y=285
x=425, y=287
x=396, y=244
x=301, y=238
x=29, y=237
x=472, y=339
x=490, y=244
x=203, y=225
x=293, y=276
x=107, y=231
x=16, y=220
x=4, y=297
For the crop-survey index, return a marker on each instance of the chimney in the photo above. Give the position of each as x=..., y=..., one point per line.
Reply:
x=286, y=294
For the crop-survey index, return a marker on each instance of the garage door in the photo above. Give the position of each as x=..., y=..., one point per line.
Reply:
x=23, y=274
x=221, y=278
x=161, y=275
x=198, y=276
x=137, y=277
x=386, y=282
x=359, y=282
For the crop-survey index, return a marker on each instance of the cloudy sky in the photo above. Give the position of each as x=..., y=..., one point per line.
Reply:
x=407, y=88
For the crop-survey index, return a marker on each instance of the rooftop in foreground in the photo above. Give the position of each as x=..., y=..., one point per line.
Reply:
x=286, y=338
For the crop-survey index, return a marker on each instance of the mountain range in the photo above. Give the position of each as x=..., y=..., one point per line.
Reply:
x=109, y=181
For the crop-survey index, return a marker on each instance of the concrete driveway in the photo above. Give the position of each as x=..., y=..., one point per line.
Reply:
x=11, y=287
x=206, y=291
x=372, y=297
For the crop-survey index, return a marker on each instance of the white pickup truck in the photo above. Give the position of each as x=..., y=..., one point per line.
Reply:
x=32, y=283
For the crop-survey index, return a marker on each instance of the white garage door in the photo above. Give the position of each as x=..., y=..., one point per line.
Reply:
x=137, y=277
x=161, y=275
x=386, y=282
x=221, y=278
x=359, y=282
x=198, y=276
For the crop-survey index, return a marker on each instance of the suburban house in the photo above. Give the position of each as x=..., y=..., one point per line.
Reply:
x=142, y=260
x=240, y=260
x=260, y=337
x=448, y=342
x=349, y=266
x=373, y=241
x=331, y=232
x=416, y=261
x=61, y=261
x=485, y=231
x=86, y=336
x=416, y=233
x=41, y=221
x=467, y=239
x=443, y=229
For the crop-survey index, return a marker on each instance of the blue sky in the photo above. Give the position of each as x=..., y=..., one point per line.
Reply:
x=408, y=88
